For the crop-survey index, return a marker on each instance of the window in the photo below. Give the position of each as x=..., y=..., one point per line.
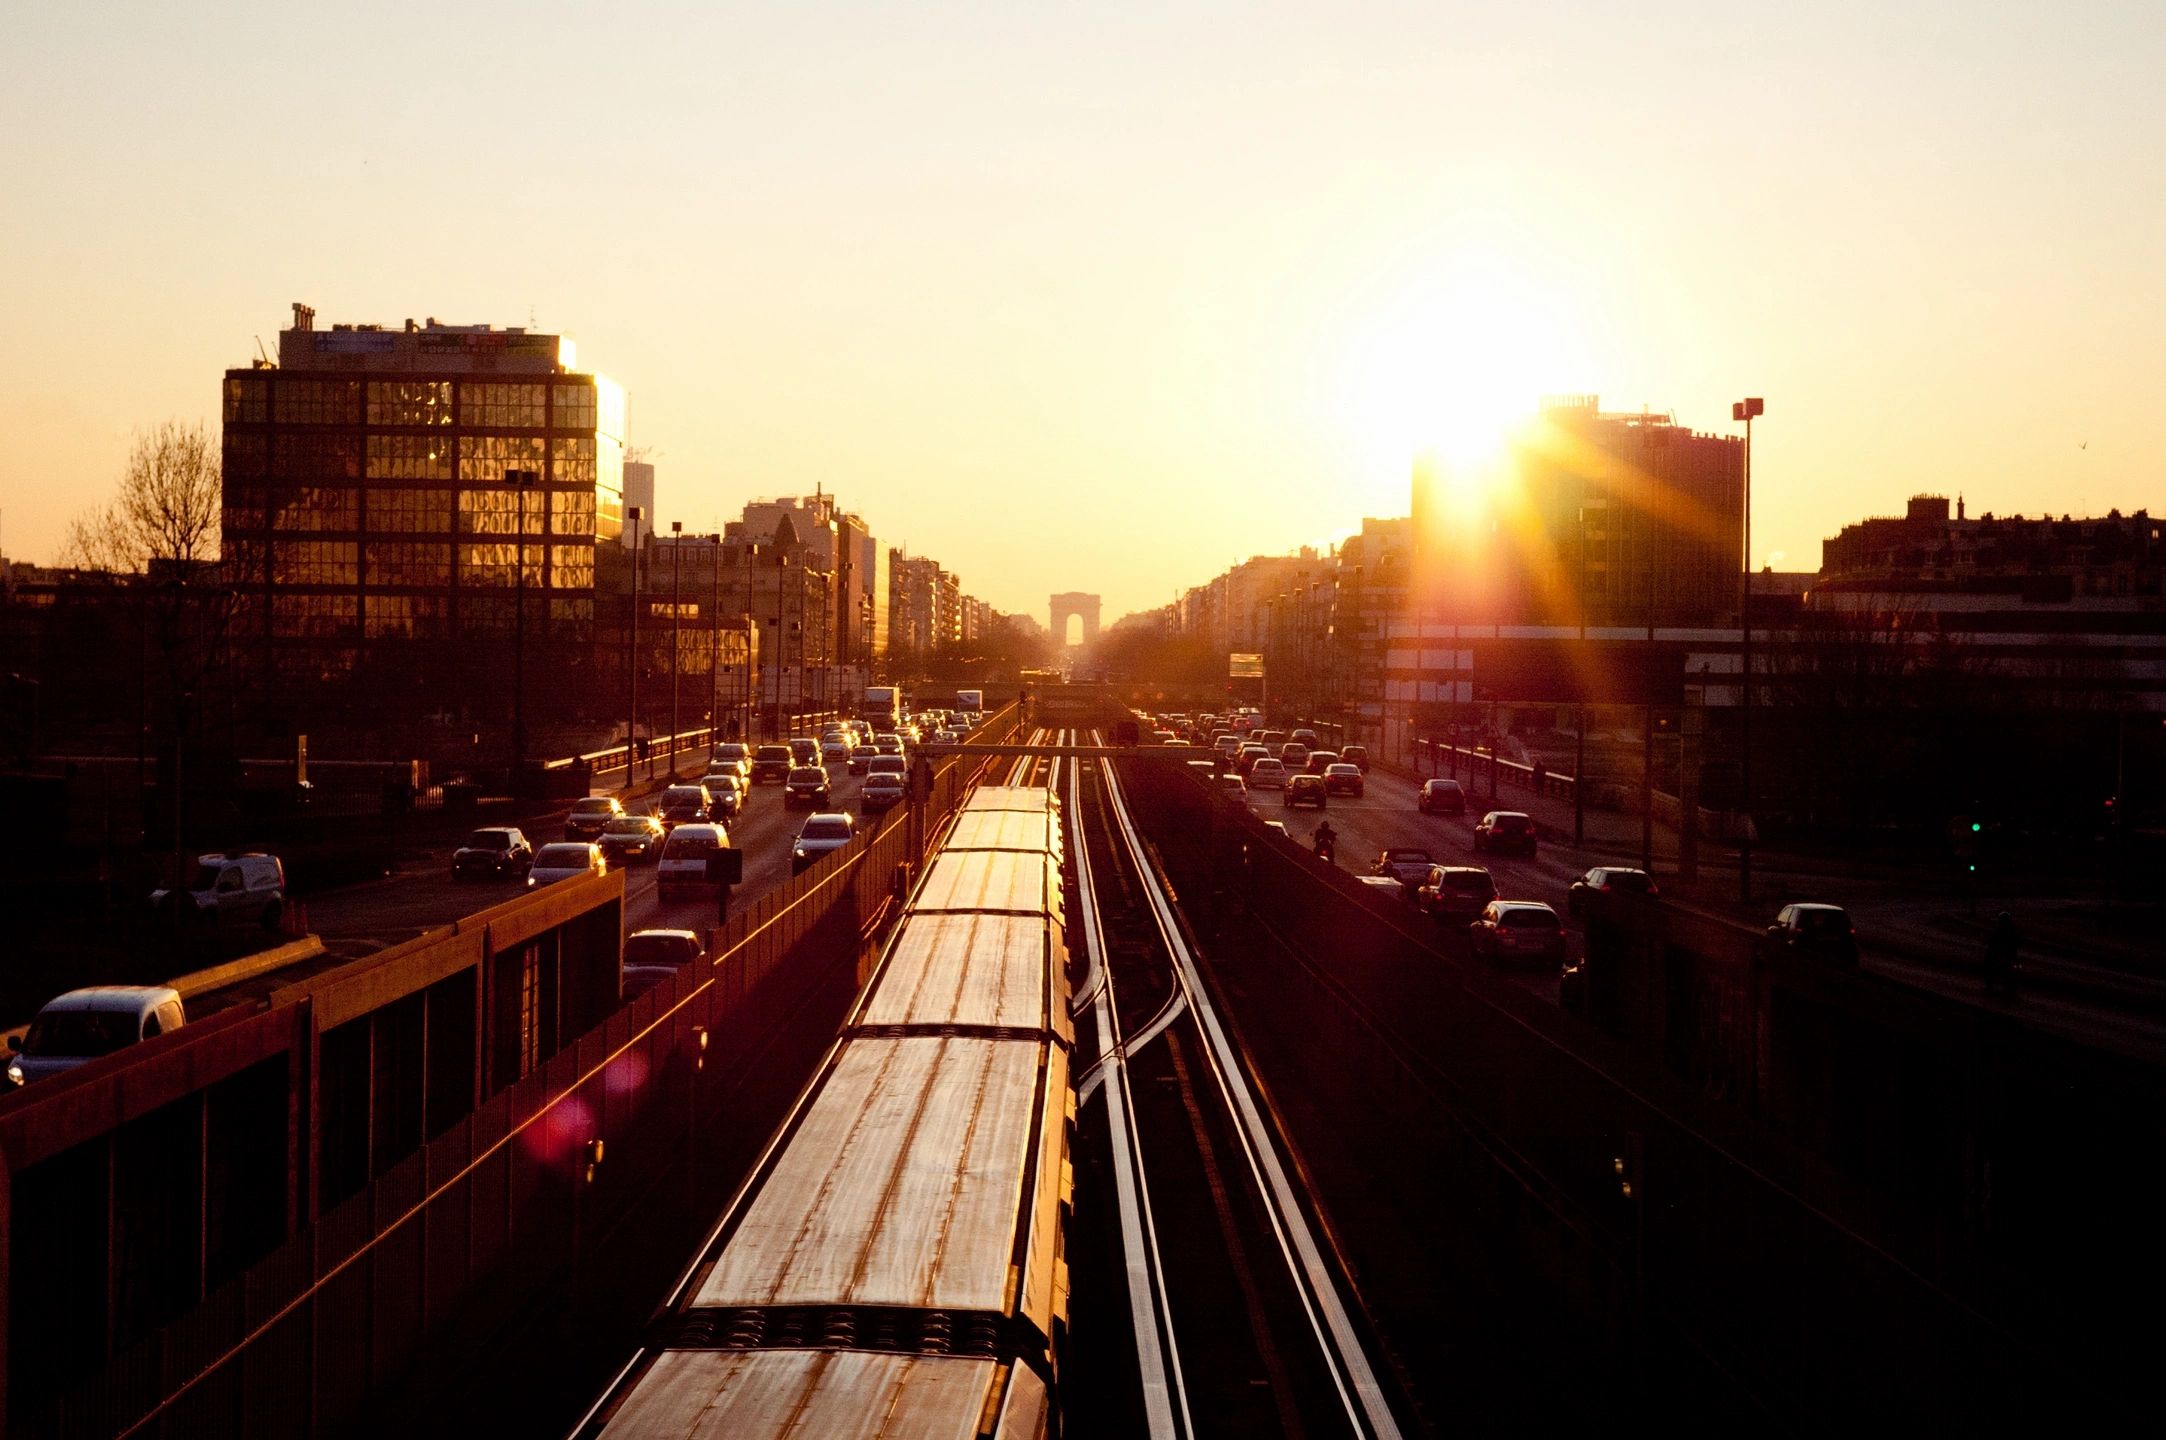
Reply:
x=410, y=510
x=314, y=562
x=572, y=619
x=314, y=507
x=244, y=507
x=574, y=407
x=573, y=461
x=497, y=512
x=246, y=454
x=248, y=399
x=496, y=405
x=316, y=402
x=409, y=402
x=573, y=513
x=409, y=457
x=490, y=565
x=405, y=617
x=317, y=457
x=487, y=457
x=571, y=567
x=405, y=563
x=314, y=615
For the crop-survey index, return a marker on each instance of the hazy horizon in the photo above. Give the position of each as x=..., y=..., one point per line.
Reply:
x=1197, y=278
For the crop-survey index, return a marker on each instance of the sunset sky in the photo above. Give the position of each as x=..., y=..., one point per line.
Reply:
x=1105, y=297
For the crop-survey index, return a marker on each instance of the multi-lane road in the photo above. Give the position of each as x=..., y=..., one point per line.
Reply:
x=422, y=895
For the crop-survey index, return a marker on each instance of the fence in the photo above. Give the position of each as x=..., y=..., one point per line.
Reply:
x=1526, y=1122
x=515, y=1235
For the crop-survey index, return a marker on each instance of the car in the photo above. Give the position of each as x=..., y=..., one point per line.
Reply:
x=827, y=831
x=887, y=765
x=84, y=1024
x=1822, y=931
x=1306, y=736
x=1321, y=760
x=729, y=791
x=1407, y=864
x=804, y=750
x=228, y=889
x=497, y=852
x=1265, y=773
x=806, y=785
x=888, y=743
x=633, y=840
x=1294, y=755
x=682, y=804
x=1227, y=746
x=1234, y=788
x=1441, y=797
x=682, y=868
x=1249, y=755
x=771, y=765
x=1511, y=929
x=1608, y=877
x=1307, y=790
x=882, y=792
x=1505, y=830
x=732, y=756
x=1384, y=883
x=1355, y=755
x=1344, y=779
x=588, y=817
x=835, y=751
x=1455, y=892
x=565, y=860
x=652, y=956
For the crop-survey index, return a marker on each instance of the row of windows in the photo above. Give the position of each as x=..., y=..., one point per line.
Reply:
x=314, y=562
x=418, y=565
x=424, y=510
x=296, y=400
x=406, y=617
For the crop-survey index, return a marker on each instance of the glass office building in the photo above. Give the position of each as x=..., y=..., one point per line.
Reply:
x=366, y=504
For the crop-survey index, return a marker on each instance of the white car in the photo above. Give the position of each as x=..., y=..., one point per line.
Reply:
x=682, y=870
x=84, y=1024
x=1234, y=788
x=1267, y=774
x=565, y=860
x=229, y=889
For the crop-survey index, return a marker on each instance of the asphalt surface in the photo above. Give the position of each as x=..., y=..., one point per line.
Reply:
x=361, y=919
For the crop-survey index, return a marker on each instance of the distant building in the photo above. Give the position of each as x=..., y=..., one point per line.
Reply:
x=639, y=488
x=366, y=502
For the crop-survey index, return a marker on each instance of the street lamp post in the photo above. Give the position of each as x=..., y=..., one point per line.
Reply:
x=676, y=633
x=1579, y=737
x=1746, y=410
x=521, y=481
x=1652, y=440
x=714, y=649
x=632, y=515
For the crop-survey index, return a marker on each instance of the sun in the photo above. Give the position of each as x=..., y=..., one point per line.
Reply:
x=1451, y=366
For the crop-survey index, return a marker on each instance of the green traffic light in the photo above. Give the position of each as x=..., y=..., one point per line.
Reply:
x=1975, y=827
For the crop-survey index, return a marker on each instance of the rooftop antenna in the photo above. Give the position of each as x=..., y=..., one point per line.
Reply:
x=260, y=355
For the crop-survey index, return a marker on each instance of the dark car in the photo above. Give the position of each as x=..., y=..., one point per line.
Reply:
x=1344, y=779
x=881, y=792
x=1306, y=790
x=1320, y=761
x=686, y=805
x=501, y=852
x=1505, y=831
x=804, y=750
x=1455, y=892
x=589, y=817
x=806, y=785
x=771, y=765
x=1441, y=797
x=1822, y=931
x=1517, y=929
x=632, y=840
x=1608, y=878
x=822, y=834
x=1355, y=755
x=652, y=956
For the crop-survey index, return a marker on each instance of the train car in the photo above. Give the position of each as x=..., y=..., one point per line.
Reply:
x=896, y=1265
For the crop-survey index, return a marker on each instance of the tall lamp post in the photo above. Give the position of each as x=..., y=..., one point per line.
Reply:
x=676, y=631
x=714, y=650
x=1655, y=441
x=1579, y=737
x=632, y=515
x=1746, y=410
x=521, y=481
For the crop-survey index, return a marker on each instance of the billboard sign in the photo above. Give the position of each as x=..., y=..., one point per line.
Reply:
x=1244, y=667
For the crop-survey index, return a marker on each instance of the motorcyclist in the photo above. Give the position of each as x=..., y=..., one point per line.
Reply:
x=2000, y=953
x=1327, y=842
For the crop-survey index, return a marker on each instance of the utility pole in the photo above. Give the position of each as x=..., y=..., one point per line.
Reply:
x=676, y=634
x=632, y=515
x=714, y=650
x=1579, y=737
x=1745, y=410
x=521, y=481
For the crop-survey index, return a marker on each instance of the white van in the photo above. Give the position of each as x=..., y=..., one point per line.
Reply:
x=229, y=889
x=84, y=1024
x=682, y=870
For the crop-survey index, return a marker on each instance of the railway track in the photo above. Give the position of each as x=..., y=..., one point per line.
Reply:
x=1240, y=1319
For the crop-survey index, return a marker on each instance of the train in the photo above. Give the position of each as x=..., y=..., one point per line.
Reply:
x=896, y=1263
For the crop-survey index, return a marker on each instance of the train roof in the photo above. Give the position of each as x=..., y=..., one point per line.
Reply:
x=833, y=1394
x=1014, y=881
x=1008, y=971
x=915, y=1181
x=1009, y=797
x=1006, y=830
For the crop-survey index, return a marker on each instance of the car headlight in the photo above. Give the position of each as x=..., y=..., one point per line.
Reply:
x=799, y=852
x=15, y=1072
